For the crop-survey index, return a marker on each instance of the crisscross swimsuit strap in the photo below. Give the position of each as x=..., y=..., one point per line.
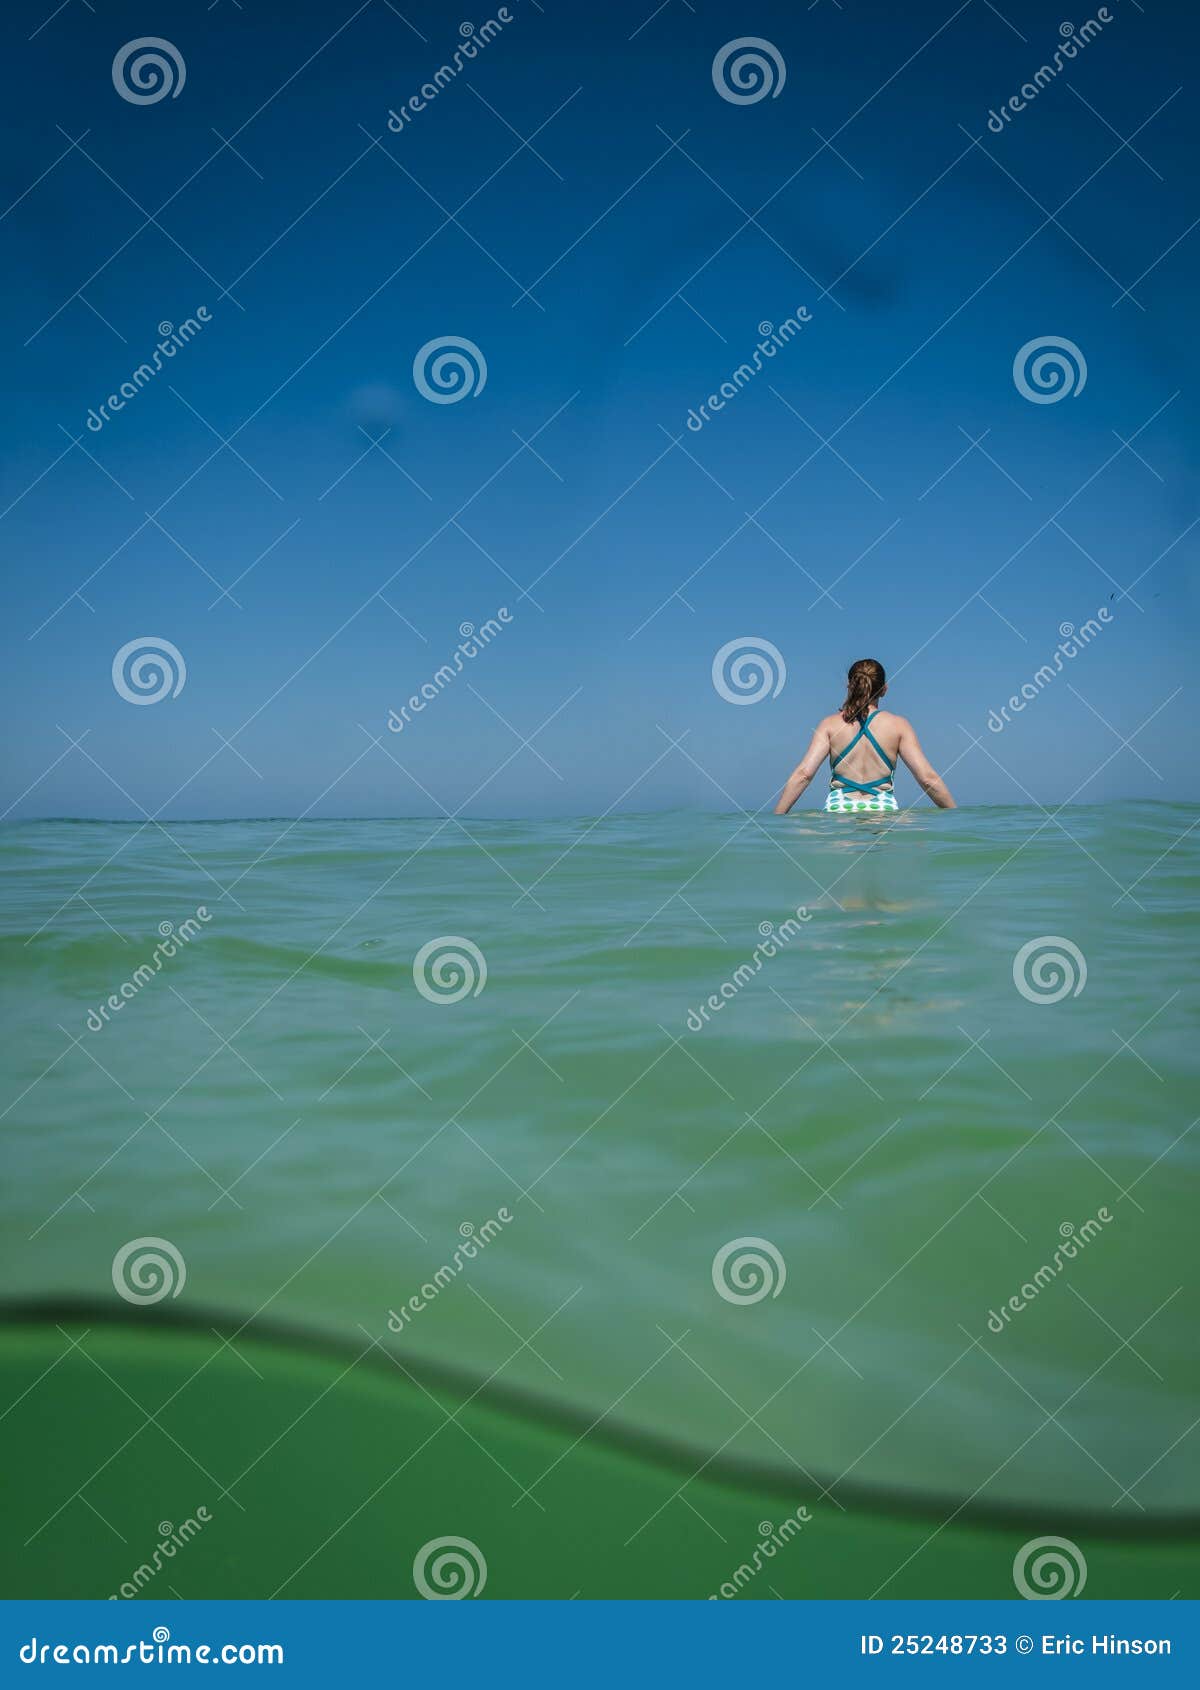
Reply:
x=844, y=783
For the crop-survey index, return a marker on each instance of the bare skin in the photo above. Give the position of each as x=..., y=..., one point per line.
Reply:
x=898, y=738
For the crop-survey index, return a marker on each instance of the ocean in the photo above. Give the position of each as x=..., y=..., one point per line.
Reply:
x=863, y=1148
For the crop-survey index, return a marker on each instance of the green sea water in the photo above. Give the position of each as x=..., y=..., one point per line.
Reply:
x=912, y=1110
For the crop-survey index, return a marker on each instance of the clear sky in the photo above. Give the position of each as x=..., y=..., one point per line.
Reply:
x=582, y=204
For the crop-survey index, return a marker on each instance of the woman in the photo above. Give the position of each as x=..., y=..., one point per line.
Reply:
x=863, y=743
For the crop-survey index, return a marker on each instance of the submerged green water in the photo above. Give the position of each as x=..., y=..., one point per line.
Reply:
x=912, y=1134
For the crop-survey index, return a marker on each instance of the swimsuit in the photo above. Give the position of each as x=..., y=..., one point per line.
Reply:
x=870, y=796
x=860, y=803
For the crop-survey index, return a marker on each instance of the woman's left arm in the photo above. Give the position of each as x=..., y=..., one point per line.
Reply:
x=804, y=771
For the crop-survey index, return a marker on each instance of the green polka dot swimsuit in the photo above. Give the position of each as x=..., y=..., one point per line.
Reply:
x=861, y=797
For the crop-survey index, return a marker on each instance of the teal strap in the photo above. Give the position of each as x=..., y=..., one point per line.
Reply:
x=866, y=730
x=870, y=786
x=846, y=785
x=847, y=748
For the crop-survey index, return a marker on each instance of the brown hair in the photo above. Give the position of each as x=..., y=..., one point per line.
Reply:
x=865, y=681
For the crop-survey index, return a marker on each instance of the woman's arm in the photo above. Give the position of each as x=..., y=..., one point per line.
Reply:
x=921, y=769
x=804, y=771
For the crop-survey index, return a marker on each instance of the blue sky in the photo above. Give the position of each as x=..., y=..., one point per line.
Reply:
x=585, y=207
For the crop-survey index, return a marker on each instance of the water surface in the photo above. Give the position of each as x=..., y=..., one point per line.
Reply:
x=912, y=1134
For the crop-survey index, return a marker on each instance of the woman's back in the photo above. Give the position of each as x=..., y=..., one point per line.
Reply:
x=862, y=762
x=863, y=745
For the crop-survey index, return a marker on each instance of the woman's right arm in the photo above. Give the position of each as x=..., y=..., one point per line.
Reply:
x=804, y=771
x=922, y=770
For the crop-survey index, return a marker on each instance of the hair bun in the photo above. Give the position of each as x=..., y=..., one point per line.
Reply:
x=865, y=680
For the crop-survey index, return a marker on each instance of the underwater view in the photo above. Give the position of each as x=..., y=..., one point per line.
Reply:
x=844, y=1160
